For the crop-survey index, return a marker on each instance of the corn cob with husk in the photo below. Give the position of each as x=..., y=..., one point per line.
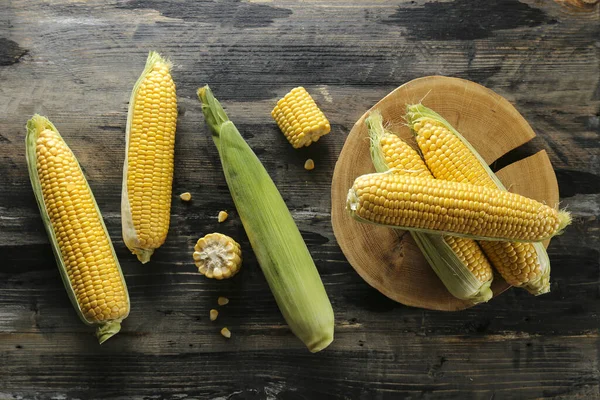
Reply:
x=459, y=263
x=148, y=170
x=452, y=208
x=84, y=253
x=273, y=234
x=451, y=157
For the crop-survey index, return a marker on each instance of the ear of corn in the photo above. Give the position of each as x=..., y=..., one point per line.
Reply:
x=148, y=170
x=452, y=208
x=451, y=157
x=459, y=263
x=86, y=259
x=273, y=234
x=300, y=119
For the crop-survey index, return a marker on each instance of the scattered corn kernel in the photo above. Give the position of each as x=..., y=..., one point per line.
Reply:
x=300, y=119
x=213, y=314
x=187, y=196
x=309, y=164
x=217, y=256
x=222, y=216
x=222, y=300
x=226, y=333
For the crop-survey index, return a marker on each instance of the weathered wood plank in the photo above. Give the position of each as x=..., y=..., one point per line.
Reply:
x=77, y=61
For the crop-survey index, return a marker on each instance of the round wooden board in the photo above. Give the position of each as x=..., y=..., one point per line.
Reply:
x=388, y=259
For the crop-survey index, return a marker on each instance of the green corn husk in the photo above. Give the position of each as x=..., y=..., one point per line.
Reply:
x=274, y=236
x=418, y=112
x=35, y=126
x=456, y=277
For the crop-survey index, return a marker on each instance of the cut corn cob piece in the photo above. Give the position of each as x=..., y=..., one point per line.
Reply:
x=453, y=208
x=458, y=262
x=273, y=234
x=451, y=157
x=299, y=118
x=148, y=170
x=84, y=253
x=217, y=256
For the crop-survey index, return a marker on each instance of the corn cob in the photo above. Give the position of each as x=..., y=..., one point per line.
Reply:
x=458, y=262
x=453, y=208
x=148, y=170
x=217, y=256
x=451, y=157
x=273, y=234
x=300, y=119
x=86, y=259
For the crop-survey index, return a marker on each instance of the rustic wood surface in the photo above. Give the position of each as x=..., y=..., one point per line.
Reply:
x=76, y=62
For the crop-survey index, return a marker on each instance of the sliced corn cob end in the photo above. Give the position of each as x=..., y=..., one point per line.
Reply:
x=80, y=242
x=458, y=262
x=300, y=119
x=148, y=170
x=217, y=256
x=451, y=157
x=457, y=209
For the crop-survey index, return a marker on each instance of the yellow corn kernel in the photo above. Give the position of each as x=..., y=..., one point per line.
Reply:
x=222, y=217
x=309, y=164
x=449, y=158
x=226, y=333
x=435, y=205
x=83, y=249
x=217, y=256
x=148, y=171
x=300, y=119
x=213, y=314
x=187, y=196
x=222, y=301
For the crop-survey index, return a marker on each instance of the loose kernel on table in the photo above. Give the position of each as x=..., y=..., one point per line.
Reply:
x=222, y=216
x=213, y=314
x=187, y=196
x=222, y=301
x=309, y=164
x=226, y=333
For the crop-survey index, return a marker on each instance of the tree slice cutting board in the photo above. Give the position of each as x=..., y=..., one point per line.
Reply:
x=388, y=259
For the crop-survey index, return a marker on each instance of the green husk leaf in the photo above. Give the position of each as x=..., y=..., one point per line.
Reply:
x=35, y=126
x=273, y=234
x=418, y=112
x=456, y=277
x=129, y=234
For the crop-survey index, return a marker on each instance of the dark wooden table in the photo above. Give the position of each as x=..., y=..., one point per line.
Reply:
x=76, y=62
